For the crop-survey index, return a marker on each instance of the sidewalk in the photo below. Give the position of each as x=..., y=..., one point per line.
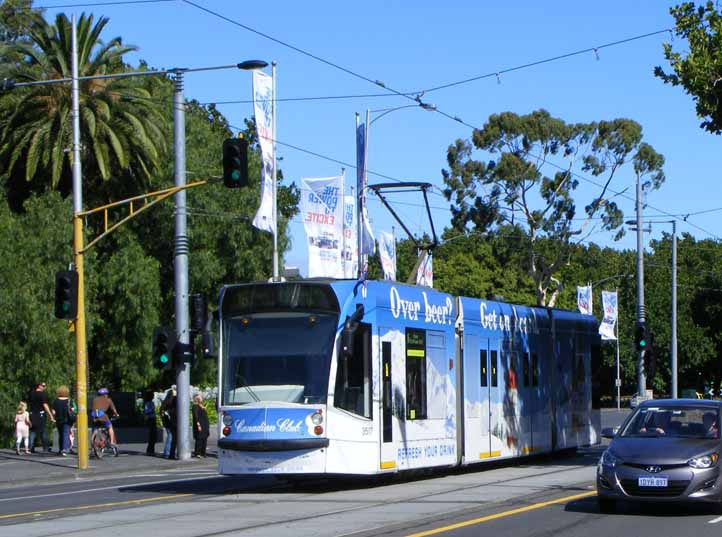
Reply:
x=42, y=467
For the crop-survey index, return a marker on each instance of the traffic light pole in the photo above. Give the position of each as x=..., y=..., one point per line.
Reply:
x=81, y=357
x=641, y=381
x=180, y=269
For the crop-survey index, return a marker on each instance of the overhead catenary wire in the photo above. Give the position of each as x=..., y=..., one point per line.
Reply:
x=438, y=110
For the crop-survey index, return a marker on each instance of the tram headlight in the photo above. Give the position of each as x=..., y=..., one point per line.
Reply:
x=317, y=418
x=227, y=419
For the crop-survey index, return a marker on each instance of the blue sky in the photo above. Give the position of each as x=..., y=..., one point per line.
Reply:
x=412, y=46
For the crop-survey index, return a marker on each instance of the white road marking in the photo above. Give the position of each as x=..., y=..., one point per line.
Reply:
x=715, y=520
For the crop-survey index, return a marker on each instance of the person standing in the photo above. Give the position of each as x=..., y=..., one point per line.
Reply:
x=63, y=419
x=149, y=416
x=39, y=413
x=22, y=428
x=201, y=428
x=168, y=419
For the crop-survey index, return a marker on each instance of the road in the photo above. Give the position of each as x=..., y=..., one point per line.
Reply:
x=539, y=497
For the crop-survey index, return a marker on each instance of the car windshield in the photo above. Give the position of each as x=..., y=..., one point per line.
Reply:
x=674, y=421
x=281, y=357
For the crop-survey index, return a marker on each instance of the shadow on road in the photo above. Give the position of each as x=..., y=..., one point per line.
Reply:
x=644, y=509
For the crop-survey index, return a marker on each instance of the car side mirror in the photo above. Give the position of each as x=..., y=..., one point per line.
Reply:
x=608, y=432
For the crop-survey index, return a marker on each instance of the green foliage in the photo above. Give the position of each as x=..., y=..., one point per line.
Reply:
x=699, y=69
x=514, y=191
x=122, y=128
x=35, y=345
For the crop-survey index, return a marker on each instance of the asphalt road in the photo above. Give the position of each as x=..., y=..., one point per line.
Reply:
x=537, y=497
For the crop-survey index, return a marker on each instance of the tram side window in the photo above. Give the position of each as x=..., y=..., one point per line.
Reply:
x=494, y=376
x=415, y=374
x=525, y=366
x=483, y=368
x=353, y=375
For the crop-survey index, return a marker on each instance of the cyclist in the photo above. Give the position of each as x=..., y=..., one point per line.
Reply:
x=102, y=405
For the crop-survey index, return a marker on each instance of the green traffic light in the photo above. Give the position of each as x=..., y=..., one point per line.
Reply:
x=163, y=358
x=66, y=307
x=236, y=175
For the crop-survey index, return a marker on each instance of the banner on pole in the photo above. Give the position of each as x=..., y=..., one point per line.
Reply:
x=350, y=246
x=263, y=112
x=425, y=274
x=367, y=242
x=387, y=253
x=584, y=299
x=322, y=213
x=609, y=304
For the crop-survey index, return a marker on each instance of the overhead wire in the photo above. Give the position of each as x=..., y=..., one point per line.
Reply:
x=438, y=110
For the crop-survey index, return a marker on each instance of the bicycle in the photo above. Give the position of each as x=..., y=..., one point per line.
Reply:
x=100, y=441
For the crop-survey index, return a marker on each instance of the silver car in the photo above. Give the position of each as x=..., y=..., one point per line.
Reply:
x=667, y=450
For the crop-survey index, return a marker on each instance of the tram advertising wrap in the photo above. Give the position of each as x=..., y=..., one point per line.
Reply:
x=342, y=377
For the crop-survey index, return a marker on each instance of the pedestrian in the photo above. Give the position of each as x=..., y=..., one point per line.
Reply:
x=149, y=415
x=200, y=426
x=64, y=418
x=168, y=419
x=39, y=413
x=22, y=428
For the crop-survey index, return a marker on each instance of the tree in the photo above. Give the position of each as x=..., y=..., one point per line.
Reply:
x=514, y=190
x=699, y=71
x=122, y=128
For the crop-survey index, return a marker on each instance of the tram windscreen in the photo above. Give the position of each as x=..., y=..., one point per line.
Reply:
x=279, y=357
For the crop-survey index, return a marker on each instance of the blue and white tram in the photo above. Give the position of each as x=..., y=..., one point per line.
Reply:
x=337, y=377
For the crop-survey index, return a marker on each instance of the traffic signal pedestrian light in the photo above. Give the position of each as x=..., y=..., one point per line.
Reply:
x=641, y=337
x=66, y=294
x=163, y=343
x=235, y=162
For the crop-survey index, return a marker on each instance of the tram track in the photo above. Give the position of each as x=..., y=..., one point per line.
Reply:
x=313, y=488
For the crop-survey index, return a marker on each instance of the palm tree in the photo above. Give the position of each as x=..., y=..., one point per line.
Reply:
x=123, y=130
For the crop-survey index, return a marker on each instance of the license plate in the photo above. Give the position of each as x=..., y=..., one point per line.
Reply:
x=652, y=481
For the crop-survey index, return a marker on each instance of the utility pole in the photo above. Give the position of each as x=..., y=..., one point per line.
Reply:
x=81, y=356
x=180, y=268
x=641, y=381
x=674, y=309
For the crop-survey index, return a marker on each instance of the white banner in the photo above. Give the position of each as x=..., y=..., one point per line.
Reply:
x=322, y=213
x=425, y=274
x=263, y=110
x=609, y=304
x=387, y=252
x=584, y=299
x=350, y=246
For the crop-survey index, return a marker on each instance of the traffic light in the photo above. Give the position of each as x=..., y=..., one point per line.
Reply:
x=66, y=294
x=650, y=357
x=163, y=344
x=640, y=337
x=235, y=162
x=198, y=313
x=184, y=352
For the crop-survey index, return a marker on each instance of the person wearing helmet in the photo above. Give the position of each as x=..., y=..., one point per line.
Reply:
x=101, y=408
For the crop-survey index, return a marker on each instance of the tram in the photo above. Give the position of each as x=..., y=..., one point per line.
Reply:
x=344, y=377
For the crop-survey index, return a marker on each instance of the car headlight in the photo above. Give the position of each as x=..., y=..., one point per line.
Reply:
x=608, y=459
x=705, y=461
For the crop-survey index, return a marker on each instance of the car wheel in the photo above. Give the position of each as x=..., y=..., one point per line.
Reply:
x=606, y=505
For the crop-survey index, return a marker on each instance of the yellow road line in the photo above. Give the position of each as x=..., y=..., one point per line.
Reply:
x=96, y=506
x=502, y=514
